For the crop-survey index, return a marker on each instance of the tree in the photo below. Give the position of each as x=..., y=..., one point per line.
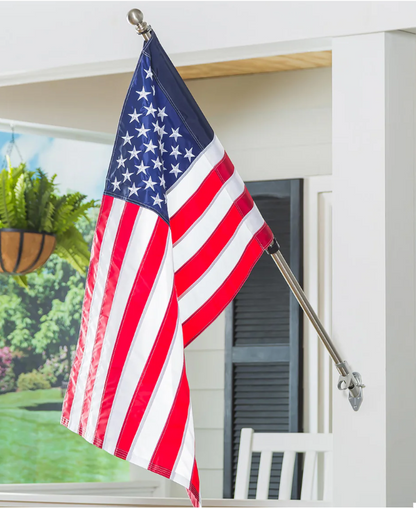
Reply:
x=39, y=321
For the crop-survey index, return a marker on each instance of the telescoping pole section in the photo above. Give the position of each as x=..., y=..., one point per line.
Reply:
x=348, y=380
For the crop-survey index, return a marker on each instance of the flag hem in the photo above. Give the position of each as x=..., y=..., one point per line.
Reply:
x=155, y=468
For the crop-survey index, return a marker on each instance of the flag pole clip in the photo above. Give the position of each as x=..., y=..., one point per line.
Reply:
x=135, y=17
x=348, y=380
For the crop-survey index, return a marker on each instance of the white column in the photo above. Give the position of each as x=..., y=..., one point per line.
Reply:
x=374, y=92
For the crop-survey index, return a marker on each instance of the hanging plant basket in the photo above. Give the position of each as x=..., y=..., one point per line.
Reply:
x=23, y=251
x=35, y=221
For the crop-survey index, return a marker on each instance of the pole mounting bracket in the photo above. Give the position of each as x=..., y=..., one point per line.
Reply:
x=351, y=381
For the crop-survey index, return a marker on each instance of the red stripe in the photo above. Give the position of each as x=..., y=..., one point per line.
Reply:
x=121, y=242
x=244, y=203
x=195, y=267
x=193, y=491
x=196, y=205
x=264, y=236
x=151, y=373
x=89, y=290
x=204, y=316
x=169, y=445
x=138, y=297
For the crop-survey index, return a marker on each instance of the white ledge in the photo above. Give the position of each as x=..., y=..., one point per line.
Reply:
x=56, y=500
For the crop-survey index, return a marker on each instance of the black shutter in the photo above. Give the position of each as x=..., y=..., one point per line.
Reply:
x=263, y=339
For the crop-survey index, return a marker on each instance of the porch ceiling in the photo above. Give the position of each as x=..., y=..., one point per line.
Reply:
x=308, y=60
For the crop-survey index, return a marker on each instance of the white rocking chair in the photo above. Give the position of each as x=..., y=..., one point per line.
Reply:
x=289, y=444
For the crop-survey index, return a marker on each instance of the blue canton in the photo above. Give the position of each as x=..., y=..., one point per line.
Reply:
x=153, y=147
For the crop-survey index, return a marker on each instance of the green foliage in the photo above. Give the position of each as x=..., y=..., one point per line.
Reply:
x=29, y=200
x=48, y=373
x=8, y=382
x=34, y=380
x=43, y=320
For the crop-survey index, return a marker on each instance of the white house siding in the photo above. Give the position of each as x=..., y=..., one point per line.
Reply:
x=273, y=126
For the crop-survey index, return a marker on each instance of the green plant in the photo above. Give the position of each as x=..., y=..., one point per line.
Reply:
x=34, y=380
x=29, y=200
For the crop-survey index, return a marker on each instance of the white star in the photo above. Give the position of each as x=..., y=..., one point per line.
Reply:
x=116, y=184
x=175, y=170
x=156, y=126
x=134, y=152
x=127, y=138
x=142, y=131
x=149, y=183
x=141, y=168
x=161, y=113
x=143, y=94
x=162, y=131
x=157, y=200
x=134, y=116
x=150, y=110
x=149, y=73
x=157, y=163
x=121, y=161
x=153, y=90
x=189, y=154
x=162, y=147
x=150, y=147
x=162, y=181
x=175, y=134
x=175, y=151
x=133, y=189
x=127, y=175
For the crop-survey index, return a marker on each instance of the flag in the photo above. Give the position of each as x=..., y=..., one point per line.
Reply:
x=177, y=235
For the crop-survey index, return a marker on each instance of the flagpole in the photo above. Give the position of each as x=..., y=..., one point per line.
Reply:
x=348, y=380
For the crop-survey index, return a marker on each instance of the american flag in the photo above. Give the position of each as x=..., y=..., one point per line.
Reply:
x=177, y=236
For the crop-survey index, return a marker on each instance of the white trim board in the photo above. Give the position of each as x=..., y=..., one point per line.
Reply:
x=154, y=502
x=181, y=59
x=56, y=132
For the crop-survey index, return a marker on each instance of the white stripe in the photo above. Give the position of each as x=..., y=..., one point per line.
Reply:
x=106, y=251
x=185, y=461
x=178, y=195
x=142, y=232
x=256, y=220
x=153, y=423
x=225, y=263
x=201, y=230
x=145, y=336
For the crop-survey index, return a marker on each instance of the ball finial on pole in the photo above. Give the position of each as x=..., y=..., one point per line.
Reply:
x=135, y=17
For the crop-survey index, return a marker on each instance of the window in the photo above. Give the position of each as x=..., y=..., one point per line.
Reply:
x=38, y=333
x=263, y=339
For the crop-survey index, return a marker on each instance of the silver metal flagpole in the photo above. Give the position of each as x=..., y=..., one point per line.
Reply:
x=348, y=380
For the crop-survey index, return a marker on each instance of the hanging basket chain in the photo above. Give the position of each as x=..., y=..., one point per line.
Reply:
x=12, y=144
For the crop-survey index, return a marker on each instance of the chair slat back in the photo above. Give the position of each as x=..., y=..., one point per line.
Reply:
x=286, y=476
x=308, y=475
x=328, y=477
x=265, y=469
x=290, y=444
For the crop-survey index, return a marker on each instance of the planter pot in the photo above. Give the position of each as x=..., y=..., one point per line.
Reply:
x=22, y=251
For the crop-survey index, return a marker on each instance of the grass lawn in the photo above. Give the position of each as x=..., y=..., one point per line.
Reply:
x=36, y=448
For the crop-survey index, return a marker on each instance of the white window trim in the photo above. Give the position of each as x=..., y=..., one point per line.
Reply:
x=54, y=131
